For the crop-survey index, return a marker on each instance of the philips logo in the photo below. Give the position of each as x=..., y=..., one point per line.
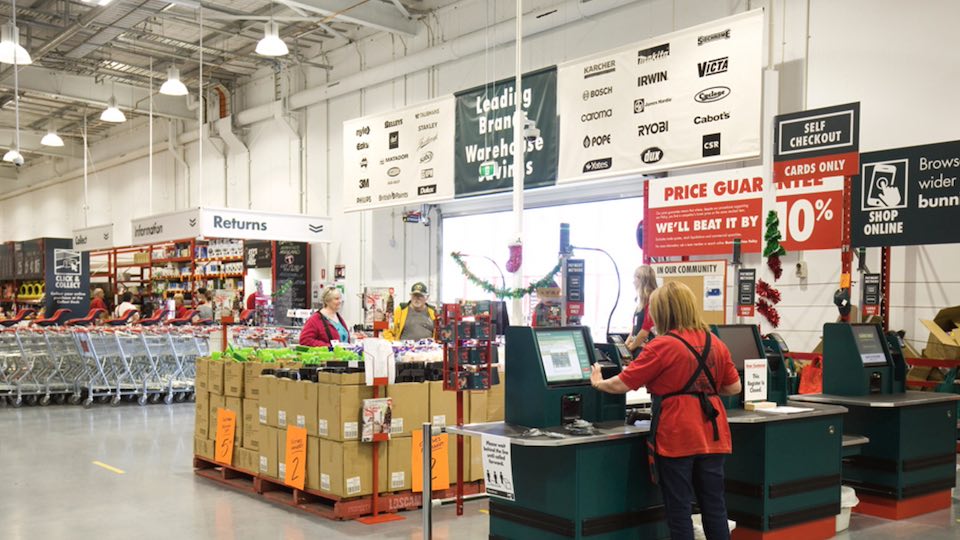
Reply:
x=652, y=78
x=713, y=67
x=651, y=155
x=600, y=68
x=596, y=115
x=599, y=140
x=597, y=165
x=710, y=95
x=590, y=94
x=653, y=128
x=653, y=53
x=701, y=40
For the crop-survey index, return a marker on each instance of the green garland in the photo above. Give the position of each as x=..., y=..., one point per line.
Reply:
x=284, y=287
x=545, y=281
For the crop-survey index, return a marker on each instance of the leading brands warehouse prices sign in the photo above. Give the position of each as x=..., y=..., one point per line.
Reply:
x=686, y=98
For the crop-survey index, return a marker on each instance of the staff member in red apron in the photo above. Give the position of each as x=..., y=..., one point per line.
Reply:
x=686, y=369
x=645, y=282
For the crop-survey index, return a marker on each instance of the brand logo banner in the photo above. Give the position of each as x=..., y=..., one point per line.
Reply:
x=93, y=238
x=687, y=98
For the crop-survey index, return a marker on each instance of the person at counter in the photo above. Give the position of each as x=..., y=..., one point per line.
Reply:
x=96, y=302
x=686, y=369
x=645, y=282
x=179, y=309
x=126, y=304
x=415, y=319
x=326, y=325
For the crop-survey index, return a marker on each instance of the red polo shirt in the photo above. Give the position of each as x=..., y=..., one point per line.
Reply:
x=664, y=367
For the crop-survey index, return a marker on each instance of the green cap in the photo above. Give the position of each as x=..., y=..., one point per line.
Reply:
x=418, y=288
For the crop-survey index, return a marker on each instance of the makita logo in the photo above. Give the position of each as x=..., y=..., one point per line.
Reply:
x=653, y=53
x=235, y=224
x=152, y=230
x=590, y=94
x=711, y=118
x=652, y=78
x=596, y=115
x=653, y=128
x=427, y=190
x=651, y=155
x=599, y=140
x=710, y=95
x=79, y=240
x=393, y=123
x=600, y=68
x=713, y=37
x=713, y=67
x=598, y=165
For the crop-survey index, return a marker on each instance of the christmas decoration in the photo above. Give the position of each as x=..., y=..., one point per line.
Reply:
x=769, y=312
x=284, y=287
x=516, y=257
x=505, y=292
x=773, y=250
x=768, y=292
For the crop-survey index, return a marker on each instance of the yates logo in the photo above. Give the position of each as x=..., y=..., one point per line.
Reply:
x=590, y=94
x=653, y=128
x=713, y=67
x=600, y=68
x=595, y=165
x=651, y=155
x=652, y=78
x=709, y=95
x=653, y=53
x=711, y=144
x=315, y=228
x=599, y=140
x=701, y=40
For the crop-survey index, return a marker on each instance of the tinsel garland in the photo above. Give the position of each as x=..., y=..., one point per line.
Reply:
x=769, y=312
x=499, y=292
x=284, y=287
x=775, y=266
x=768, y=292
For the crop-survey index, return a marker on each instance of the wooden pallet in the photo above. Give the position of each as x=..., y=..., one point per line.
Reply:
x=318, y=503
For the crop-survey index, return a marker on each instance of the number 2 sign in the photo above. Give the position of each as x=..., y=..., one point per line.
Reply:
x=296, y=471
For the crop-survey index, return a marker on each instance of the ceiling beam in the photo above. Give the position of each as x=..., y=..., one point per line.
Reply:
x=372, y=14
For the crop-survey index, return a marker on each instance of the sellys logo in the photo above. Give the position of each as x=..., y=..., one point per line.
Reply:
x=595, y=165
x=651, y=155
x=393, y=171
x=709, y=95
x=599, y=140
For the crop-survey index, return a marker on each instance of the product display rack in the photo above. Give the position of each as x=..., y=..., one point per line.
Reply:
x=22, y=282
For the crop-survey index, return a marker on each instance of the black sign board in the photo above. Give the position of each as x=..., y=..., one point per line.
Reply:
x=6, y=261
x=871, y=294
x=290, y=280
x=28, y=259
x=67, y=278
x=907, y=196
x=746, y=286
x=484, y=134
x=257, y=254
x=574, y=284
x=818, y=132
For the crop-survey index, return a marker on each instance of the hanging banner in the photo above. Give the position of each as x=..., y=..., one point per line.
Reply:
x=93, y=238
x=703, y=214
x=813, y=151
x=404, y=157
x=165, y=227
x=67, y=278
x=229, y=223
x=907, y=196
x=484, y=135
x=686, y=98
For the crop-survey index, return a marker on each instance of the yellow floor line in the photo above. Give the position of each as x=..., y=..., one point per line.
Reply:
x=482, y=511
x=107, y=467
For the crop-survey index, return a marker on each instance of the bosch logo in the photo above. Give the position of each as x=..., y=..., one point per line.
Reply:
x=711, y=118
x=597, y=165
x=590, y=94
x=596, y=115
x=651, y=155
x=709, y=95
x=599, y=140
x=713, y=67
x=653, y=128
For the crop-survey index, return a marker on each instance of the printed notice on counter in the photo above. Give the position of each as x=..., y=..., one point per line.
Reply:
x=755, y=380
x=713, y=292
x=497, y=467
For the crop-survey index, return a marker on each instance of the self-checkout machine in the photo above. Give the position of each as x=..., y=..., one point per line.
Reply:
x=908, y=467
x=568, y=480
x=783, y=478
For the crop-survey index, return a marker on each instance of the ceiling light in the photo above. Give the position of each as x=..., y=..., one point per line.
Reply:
x=11, y=52
x=13, y=156
x=112, y=113
x=51, y=138
x=271, y=44
x=172, y=86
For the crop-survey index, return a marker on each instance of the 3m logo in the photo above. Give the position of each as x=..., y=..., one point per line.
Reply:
x=711, y=144
x=713, y=67
x=315, y=228
x=597, y=165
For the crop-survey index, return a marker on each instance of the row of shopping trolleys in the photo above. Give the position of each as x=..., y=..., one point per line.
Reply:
x=84, y=365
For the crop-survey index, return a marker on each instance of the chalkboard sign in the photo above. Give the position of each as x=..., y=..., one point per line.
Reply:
x=257, y=253
x=6, y=261
x=290, y=280
x=28, y=259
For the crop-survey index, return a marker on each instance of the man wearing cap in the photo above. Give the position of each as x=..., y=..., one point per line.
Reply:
x=413, y=320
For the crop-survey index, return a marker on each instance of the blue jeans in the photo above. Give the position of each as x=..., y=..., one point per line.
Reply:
x=682, y=479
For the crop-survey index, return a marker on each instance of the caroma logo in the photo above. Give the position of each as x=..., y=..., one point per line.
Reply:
x=714, y=93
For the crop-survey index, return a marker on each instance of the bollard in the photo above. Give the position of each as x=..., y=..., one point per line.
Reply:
x=427, y=504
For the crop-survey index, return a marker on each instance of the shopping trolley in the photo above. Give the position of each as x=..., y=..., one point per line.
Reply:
x=33, y=367
x=108, y=375
x=66, y=366
x=10, y=363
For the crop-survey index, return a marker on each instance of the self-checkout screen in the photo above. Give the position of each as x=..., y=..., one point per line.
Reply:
x=868, y=341
x=565, y=355
x=742, y=341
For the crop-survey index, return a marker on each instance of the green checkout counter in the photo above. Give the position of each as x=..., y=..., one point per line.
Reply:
x=908, y=466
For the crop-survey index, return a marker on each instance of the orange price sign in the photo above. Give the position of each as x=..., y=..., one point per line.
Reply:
x=296, y=471
x=226, y=426
x=439, y=463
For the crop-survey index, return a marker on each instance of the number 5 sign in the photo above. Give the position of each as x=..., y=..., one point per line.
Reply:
x=811, y=213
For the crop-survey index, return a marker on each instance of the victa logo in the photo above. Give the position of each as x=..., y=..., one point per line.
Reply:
x=653, y=53
x=394, y=140
x=599, y=140
x=597, y=165
x=713, y=67
x=427, y=190
x=711, y=144
x=652, y=78
x=653, y=128
x=597, y=92
x=709, y=95
x=651, y=155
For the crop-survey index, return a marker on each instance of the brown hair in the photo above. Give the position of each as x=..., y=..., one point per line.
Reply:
x=674, y=307
x=648, y=283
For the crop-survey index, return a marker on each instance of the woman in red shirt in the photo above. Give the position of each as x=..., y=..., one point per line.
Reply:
x=686, y=369
x=645, y=282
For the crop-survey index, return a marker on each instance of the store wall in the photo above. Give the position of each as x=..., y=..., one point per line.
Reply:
x=905, y=90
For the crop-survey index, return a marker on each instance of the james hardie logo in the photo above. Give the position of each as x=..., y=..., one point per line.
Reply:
x=713, y=67
x=884, y=185
x=315, y=228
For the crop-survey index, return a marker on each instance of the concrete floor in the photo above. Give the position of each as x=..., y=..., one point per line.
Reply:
x=54, y=490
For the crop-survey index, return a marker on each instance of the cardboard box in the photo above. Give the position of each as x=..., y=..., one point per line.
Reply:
x=233, y=379
x=338, y=412
x=201, y=427
x=411, y=407
x=443, y=406
x=944, y=340
x=477, y=406
x=346, y=467
x=201, y=378
x=251, y=372
x=216, y=403
x=313, y=463
x=235, y=404
x=251, y=423
x=267, y=464
x=300, y=401
x=246, y=459
x=341, y=378
x=269, y=390
x=282, y=397
x=203, y=448
x=399, y=452
x=215, y=376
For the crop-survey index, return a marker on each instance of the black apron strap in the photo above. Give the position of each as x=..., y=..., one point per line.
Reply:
x=706, y=405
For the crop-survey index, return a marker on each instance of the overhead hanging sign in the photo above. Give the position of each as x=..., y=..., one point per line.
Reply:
x=401, y=157
x=93, y=238
x=484, y=144
x=703, y=214
x=813, y=151
x=686, y=98
x=907, y=196
x=229, y=223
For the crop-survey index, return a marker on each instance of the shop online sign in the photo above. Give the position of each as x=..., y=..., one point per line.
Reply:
x=224, y=223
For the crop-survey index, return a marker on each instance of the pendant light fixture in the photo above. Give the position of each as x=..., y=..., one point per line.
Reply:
x=113, y=113
x=11, y=52
x=51, y=138
x=271, y=44
x=13, y=155
x=173, y=86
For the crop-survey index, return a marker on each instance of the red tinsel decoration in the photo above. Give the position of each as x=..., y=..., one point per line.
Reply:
x=516, y=257
x=769, y=312
x=767, y=291
x=773, y=262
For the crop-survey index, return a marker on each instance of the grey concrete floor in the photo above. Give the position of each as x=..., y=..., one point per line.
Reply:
x=52, y=488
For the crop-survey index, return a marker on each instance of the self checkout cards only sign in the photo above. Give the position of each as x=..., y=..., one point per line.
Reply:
x=813, y=151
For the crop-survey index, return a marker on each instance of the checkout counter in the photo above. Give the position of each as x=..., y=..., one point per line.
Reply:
x=908, y=465
x=569, y=481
